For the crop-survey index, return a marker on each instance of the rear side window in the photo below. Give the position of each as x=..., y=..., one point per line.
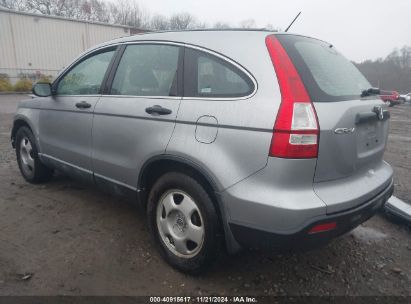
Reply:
x=147, y=70
x=327, y=75
x=209, y=76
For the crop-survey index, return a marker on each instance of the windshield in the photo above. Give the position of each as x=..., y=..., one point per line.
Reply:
x=327, y=75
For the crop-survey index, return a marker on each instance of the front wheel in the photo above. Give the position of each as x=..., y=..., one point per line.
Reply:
x=184, y=222
x=32, y=169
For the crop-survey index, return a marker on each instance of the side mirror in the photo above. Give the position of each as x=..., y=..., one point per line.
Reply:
x=42, y=89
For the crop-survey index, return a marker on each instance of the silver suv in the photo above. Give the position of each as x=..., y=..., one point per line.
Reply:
x=228, y=138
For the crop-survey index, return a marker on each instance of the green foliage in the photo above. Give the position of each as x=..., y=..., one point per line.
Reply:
x=45, y=79
x=23, y=85
x=5, y=85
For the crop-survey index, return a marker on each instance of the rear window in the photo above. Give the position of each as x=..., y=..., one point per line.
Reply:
x=327, y=75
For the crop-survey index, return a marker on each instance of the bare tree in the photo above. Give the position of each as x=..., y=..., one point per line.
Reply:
x=7, y=4
x=159, y=22
x=182, y=21
x=405, y=53
x=249, y=23
x=64, y=8
x=221, y=25
x=18, y=5
x=391, y=73
x=76, y=9
x=46, y=7
x=125, y=12
x=199, y=25
x=128, y=13
x=271, y=27
x=94, y=10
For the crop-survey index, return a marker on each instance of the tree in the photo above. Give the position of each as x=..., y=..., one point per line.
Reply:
x=405, y=53
x=45, y=7
x=221, y=25
x=182, y=21
x=18, y=5
x=95, y=10
x=271, y=27
x=248, y=23
x=391, y=73
x=159, y=22
x=128, y=12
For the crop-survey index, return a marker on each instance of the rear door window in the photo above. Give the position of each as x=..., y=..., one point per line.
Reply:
x=327, y=75
x=147, y=70
x=207, y=75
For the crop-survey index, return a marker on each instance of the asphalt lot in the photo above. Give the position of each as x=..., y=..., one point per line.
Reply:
x=62, y=238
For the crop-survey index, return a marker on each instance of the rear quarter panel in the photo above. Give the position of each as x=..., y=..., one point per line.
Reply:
x=243, y=126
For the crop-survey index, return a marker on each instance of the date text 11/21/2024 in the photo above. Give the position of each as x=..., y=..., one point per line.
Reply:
x=204, y=299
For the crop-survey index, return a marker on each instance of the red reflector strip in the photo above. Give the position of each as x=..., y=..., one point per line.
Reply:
x=280, y=147
x=323, y=227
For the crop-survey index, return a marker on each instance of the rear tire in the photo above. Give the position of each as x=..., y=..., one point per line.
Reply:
x=184, y=223
x=32, y=169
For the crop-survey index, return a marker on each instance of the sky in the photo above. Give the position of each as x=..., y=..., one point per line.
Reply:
x=360, y=29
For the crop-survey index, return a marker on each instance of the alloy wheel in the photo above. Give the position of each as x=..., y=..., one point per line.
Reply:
x=180, y=224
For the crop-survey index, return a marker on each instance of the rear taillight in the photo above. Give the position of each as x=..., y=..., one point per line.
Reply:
x=296, y=130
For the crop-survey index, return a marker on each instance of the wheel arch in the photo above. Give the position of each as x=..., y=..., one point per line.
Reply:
x=159, y=165
x=20, y=121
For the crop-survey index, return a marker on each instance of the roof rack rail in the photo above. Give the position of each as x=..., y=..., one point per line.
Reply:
x=211, y=30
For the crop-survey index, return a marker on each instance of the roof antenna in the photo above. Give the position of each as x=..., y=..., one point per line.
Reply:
x=298, y=15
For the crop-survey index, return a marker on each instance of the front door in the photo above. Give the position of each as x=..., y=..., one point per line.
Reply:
x=66, y=118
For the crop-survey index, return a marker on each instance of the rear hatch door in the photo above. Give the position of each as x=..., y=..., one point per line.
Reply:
x=353, y=129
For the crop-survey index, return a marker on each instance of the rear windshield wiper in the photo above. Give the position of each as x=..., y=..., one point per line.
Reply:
x=370, y=92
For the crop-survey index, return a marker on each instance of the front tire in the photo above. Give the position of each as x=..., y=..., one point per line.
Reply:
x=184, y=223
x=32, y=169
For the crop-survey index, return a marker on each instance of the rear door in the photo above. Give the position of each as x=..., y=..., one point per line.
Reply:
x=135, y=118
x=353, y=130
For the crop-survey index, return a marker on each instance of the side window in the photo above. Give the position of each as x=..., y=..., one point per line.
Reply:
x=209, y=76
x=147, y=70
x=86, y=77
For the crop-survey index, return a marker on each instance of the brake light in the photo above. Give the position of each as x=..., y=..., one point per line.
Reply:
x=296, y=130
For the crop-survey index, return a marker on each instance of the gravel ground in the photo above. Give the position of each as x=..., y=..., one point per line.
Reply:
x=64, y=239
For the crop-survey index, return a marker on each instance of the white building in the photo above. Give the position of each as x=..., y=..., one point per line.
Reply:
x=33, y=44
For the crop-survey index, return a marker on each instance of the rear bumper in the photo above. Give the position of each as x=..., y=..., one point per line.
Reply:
x=303, y=239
